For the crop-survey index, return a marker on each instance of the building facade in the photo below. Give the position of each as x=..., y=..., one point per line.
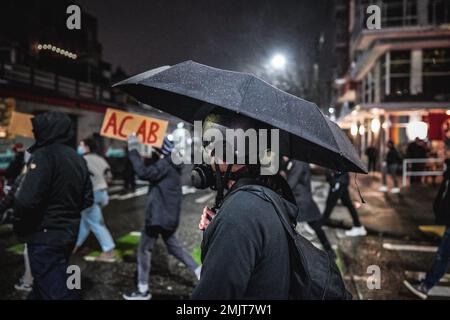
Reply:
x=45, y=66
x=397, y=82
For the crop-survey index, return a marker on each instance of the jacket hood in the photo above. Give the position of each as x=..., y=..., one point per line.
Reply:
x=51, y=127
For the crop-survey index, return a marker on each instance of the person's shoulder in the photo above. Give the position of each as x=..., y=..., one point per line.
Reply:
x=96, y=157
x=167, y=163
x=41, y=154
x=245, y=206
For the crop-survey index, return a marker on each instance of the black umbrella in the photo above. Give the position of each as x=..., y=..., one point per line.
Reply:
x=190, y=91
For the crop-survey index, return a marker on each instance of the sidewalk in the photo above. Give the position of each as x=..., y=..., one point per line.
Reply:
x=394, y=215
x=394, y=242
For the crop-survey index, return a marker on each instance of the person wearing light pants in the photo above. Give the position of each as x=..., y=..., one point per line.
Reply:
x=92, y=220
x=148, y=239
x=26, y=281
x=92, y=217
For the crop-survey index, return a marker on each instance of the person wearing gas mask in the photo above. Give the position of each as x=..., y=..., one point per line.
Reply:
x=441, y=208
x=245, y=250
x=162, y=213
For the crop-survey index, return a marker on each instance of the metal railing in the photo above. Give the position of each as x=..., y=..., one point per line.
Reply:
x=69, y=87
x=428, y=170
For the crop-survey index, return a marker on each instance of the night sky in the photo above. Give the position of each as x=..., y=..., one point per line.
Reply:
x=240, y=35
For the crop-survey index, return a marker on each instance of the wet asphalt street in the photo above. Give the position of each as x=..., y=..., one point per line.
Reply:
x=390, y=220
x=169, y=279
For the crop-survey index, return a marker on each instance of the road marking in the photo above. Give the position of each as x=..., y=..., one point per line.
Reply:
x=17, y=248
x=205, y=198
x=437, y=230
x=187, y=190
x=114, y=189
x=408, y=247
x=439, y=291
x=137, y=193
x=419, y=275
x=125, y=247
x=356, y=286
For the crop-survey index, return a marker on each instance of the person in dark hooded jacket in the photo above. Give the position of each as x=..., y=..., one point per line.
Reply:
x=48, y=202
x=162, y=213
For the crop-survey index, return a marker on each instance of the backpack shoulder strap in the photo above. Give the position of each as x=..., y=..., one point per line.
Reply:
x=255, y=185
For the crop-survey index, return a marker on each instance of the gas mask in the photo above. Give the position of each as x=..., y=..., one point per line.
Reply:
x=215, y=145
x=203, y=176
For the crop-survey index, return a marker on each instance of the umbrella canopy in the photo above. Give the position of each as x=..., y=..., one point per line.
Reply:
x=190, y=91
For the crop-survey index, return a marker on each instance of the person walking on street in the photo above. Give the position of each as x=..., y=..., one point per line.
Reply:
x=15, y=167
x=48, y=203
x=298, y=176
x=372, y=155
x=441, y=208
x=339, y=184
x=390, y=165
x=416, y=150
x=92, y=217
x=25, y=282
x=129, y=179
x=162, y=214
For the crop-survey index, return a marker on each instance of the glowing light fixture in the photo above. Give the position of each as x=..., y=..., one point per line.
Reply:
x=417, y=129
x=375, y=125
x=278, y=61
x=354, y=129
x=50, y=47
x=361, y=130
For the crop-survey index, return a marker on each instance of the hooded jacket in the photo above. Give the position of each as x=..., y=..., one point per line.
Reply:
x=56, y=186
x=164, y=196
x=245, y=250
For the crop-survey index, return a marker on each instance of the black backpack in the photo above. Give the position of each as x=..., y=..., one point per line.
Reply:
x=314, y=275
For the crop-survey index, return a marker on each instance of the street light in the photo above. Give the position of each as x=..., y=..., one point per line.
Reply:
x=278, y=61
x=417, y=129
